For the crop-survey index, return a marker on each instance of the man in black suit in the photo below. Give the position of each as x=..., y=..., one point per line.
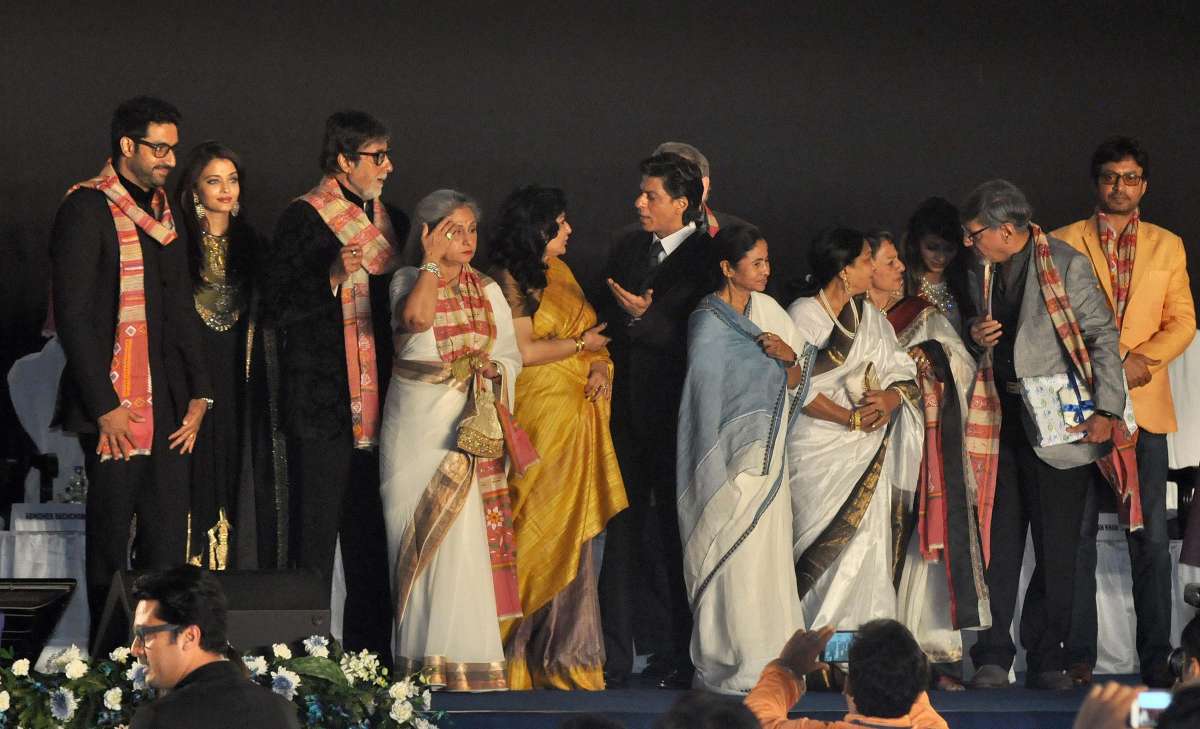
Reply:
x=656, y=276
x=179, y=628
x=126, y=321
x=714, y=218
x=333, y=467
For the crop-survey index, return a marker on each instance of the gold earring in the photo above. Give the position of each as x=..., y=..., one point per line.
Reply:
x=201, y=213
x=237, y=208
x=845, y=281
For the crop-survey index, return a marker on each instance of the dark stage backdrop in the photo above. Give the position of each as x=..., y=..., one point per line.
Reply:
x=811, y=113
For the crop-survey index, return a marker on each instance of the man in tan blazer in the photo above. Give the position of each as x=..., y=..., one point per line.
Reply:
x=1143, y=271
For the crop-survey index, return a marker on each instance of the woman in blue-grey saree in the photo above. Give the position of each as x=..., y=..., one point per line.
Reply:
x=746, y=372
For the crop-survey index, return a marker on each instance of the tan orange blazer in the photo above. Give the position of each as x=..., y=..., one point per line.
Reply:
x=1160, y=318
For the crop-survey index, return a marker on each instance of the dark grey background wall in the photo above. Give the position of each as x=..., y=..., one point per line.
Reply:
x=812, y=113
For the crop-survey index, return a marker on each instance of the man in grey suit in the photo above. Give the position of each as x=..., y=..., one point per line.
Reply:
x=1042, y=489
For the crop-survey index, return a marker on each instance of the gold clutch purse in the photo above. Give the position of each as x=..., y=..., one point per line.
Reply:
x=479, y=432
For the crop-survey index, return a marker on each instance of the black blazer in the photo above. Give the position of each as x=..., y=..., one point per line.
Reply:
x=650, y=354
x=315, y=396
x=216, y=695
x=85, y=264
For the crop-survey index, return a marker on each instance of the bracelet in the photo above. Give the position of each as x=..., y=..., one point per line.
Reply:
x=855, y=420
x=578, y=345
x=207, y=401
x=432, y=267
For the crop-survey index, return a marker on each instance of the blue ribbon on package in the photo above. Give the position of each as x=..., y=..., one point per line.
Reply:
x=1076, y=408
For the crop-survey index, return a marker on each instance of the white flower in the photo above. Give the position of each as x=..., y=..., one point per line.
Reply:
x=401, y=690
x=426, y=699
x=120, y=654
x=281, y=651
x=4, y=701
x=360, y=666
x=285, y=683
x=401, y=711
x=257, y=665
x=65, y=656
x=317, y=646
x=137, y=676
x=420, y=723
x=76, y=669
x=112, y=699
x=21, y=667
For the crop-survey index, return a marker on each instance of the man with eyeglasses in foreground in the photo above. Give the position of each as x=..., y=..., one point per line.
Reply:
x=1143, y=271
x=179, y=628
x=326, y=291
x=134, y=388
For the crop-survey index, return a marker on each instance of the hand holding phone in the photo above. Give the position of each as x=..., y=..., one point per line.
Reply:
x=1147, y=706
x=837, y=650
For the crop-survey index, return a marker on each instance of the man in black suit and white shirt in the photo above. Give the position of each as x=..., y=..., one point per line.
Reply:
x=656, y=276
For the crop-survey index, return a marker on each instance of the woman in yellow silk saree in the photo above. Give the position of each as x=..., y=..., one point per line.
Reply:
x=563, y=501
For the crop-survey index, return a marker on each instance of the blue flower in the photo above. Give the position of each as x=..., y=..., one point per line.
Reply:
x=63, y=704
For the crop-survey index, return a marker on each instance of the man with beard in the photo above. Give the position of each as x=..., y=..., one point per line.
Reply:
x=135, y=388
x=326, y=291
x=1143, y=271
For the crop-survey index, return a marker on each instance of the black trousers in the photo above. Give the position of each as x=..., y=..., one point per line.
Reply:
x=155, y=488
x=335, y=492
x=1149, y=557
x=1049, y=503
x=641, y=547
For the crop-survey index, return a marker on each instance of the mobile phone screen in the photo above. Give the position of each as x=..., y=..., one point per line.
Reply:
x=1147, y=706
x=837, y=650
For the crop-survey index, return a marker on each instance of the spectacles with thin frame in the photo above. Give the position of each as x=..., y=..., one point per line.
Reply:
x=159, y=149
x=973, y=236
x=141, y=632
x=1131, y=179
x=378, y=157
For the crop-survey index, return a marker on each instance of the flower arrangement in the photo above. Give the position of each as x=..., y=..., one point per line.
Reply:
x=329, y=687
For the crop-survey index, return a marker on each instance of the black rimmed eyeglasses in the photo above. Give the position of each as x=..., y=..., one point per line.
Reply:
x=378, y=157
x=973, y=236
x=160, y=149
x=1130, y=179
x=141, y=632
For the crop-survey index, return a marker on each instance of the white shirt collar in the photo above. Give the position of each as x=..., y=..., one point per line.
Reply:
x=676, y=239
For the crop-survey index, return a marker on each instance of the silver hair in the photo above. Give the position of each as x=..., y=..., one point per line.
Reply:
x=432, y=208
x=995, y=203
x=688, y=152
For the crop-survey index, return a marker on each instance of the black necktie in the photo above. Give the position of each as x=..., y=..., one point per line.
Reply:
x=656, y=251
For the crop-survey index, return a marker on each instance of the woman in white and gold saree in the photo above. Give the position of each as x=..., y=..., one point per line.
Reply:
x=445, y=497
x=855, y=448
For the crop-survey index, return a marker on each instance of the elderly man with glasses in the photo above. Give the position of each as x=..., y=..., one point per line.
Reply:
x=135, y=388
x=1044, y=320
x=326, y=291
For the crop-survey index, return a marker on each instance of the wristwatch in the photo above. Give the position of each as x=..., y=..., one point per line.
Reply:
x=1106, y=414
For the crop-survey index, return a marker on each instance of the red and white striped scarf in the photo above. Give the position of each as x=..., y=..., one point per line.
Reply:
x=982, y=431
x=1119, y=467
x=1119, y=251
x=378, y=240
x=130, y=370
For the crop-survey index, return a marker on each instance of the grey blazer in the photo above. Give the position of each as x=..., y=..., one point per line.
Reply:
x=1038, y=352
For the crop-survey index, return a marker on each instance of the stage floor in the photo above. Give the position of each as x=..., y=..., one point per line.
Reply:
x=640, y=705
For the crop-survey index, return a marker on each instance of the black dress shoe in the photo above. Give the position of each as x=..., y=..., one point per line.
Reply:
x=657, y=667
x=615, y=679
x=677, y=679
x=1049, y=680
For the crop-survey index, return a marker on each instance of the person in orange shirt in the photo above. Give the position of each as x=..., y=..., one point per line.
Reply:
x=884, y=687
x=1142, y=269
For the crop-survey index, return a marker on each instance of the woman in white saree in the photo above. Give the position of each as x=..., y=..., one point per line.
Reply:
x=746, y=370
x=855, y=448
x=941, y=589
x=445, y=497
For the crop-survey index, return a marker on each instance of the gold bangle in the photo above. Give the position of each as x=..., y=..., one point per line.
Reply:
x=578, y=345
